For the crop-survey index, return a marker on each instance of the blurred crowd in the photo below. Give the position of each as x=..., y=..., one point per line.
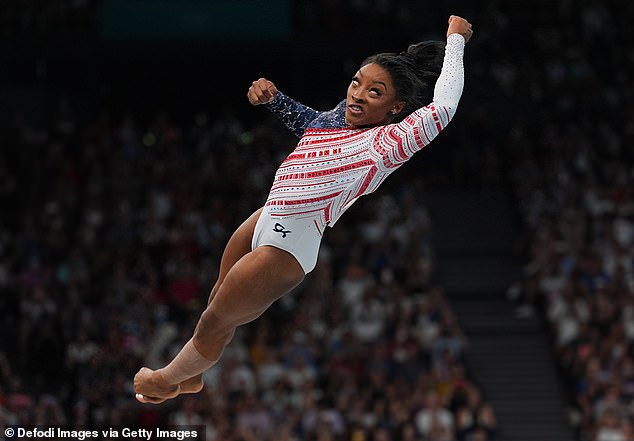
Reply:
x=112, y=229
x=111, y=234
x=572, y=169
x=110, y=241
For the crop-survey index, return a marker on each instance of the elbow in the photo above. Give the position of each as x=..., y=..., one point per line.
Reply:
x=451, y=111
x=444, y=113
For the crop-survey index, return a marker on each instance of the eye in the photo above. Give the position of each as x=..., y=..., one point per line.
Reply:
x=354, y=81
x=375, y=91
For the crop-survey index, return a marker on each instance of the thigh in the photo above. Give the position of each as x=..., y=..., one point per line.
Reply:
x=238, y=245
x=256, y=281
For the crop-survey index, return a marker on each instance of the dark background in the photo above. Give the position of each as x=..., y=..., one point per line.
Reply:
x=546, y=119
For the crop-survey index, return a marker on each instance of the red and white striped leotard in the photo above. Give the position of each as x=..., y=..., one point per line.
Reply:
x=331, y=168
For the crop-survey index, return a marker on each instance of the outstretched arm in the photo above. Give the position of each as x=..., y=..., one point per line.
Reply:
x=296, y=116
x=450, y=83
x=423, y=125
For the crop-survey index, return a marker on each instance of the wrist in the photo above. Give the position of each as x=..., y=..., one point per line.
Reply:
x=456, y=37
x=273, y=101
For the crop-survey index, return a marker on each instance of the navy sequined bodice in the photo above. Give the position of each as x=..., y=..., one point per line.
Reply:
x=298, y=117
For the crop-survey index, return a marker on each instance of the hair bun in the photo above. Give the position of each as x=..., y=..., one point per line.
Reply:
x=428, y=56
x=413, y=72
x=409, y=60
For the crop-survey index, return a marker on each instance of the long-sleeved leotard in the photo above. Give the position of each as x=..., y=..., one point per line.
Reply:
x=298, y=117
x=332, y=166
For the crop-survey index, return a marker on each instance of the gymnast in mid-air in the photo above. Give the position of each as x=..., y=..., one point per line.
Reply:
x=388, y=115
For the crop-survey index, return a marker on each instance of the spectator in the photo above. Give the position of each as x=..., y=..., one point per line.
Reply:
x=435, y=421
x=111, y=240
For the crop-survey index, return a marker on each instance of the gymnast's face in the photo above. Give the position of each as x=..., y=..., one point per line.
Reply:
x=371, y=98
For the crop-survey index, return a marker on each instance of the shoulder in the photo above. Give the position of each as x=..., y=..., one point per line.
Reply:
x=331, y=119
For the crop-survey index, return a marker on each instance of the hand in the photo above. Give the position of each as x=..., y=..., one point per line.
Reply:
x=261, y=91
x=150, y=387
x=458, y=25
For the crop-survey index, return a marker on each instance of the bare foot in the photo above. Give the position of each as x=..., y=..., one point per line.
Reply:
x=150, y=387
x=192, y=386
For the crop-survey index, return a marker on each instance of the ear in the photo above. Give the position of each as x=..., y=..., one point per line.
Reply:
x=398, y=107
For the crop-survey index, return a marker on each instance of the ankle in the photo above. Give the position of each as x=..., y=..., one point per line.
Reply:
x=160, y=382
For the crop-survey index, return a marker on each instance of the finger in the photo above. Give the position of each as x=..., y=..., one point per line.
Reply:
x=251, y=97
x=259, y=92
x=266, y=93
x=255, y=94
x=272, y=89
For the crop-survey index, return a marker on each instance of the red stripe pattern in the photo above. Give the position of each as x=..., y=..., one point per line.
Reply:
x=331, y=168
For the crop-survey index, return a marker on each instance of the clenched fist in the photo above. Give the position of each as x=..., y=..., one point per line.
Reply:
x=458, y=25
x=261, y=91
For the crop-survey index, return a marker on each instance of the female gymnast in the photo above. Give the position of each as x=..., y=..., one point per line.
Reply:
x=343, y=154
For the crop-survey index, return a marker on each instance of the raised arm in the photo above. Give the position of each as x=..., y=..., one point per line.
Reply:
x=293, y=114
x=418, y=129
x=450, y=83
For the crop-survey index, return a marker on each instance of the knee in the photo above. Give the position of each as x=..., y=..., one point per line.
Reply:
x=213, y=292
x=211, y=330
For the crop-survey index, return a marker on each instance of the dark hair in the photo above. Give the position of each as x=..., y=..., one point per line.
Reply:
x=414, y=73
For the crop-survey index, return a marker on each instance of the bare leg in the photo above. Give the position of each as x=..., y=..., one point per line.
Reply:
x=238, y=245
x=256, y=281
x=249, y=287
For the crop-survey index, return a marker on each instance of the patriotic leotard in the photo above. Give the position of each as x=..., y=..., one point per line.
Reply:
x=332, y=165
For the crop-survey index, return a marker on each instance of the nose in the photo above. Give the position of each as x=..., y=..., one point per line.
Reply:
x=356, y=96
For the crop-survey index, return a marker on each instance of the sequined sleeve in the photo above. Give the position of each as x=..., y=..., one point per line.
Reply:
x=400, y=141
x=296, y=116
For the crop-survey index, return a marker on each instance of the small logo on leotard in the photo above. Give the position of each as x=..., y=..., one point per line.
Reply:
x=279, y=228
